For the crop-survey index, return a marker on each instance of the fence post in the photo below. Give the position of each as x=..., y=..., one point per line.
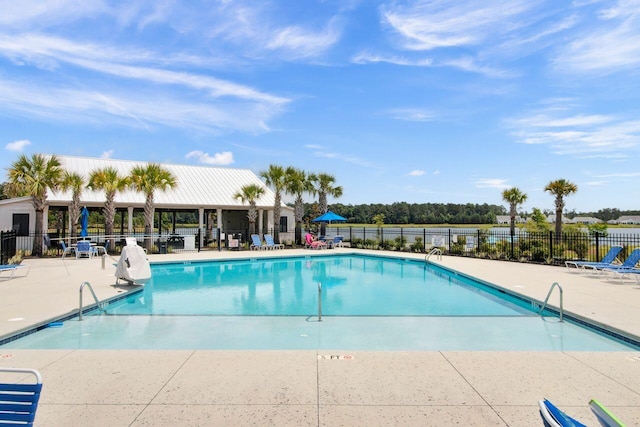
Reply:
x=512, y=255
x=551, y=244
x=424, y=239
x=597, y=246
x=449, y=240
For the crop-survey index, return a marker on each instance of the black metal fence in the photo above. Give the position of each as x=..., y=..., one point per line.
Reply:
x=543, y=247
x=494, y=244
x=7, y=246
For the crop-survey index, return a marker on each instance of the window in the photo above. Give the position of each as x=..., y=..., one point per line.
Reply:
x=21, y=224
x=283, y=224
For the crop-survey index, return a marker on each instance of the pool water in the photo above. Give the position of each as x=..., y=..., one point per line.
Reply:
x=368, y=303
x=349, y=286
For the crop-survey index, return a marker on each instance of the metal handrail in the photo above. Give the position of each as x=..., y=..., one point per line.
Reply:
x=95, y=298
x=544, y=304
x=434, y=251
x=319, y=302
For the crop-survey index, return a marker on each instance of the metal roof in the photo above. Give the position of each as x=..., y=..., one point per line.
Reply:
x=197, y=186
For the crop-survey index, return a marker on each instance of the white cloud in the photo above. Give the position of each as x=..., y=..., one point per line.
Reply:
x=436, y=24
x=366, y=57
x=466, y=63
x=416, y=173
x=491, y=183
x=299, y=42
x=220, y=159
x=18, y=145
x=147, y=109
x=608, y=46
x=580, y=135
x=106, y=154
x=322, y=153
x=46, y=52
x=412, y=115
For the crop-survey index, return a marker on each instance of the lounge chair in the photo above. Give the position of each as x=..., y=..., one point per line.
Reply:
x=9, y=271
x=83, y=248
x=104, y=249
x=314, y=244
x=270, y=244
x=606, y=260
x=628, y=263
x=337, y=242
x=18, y=400
x=604, y=416
x=66, y=249
x=256, y=243
x=554, y=417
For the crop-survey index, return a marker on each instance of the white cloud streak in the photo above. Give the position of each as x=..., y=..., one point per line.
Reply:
x=580, y=135
x=491, y=183
x=608, y=46
x=145, y=110
x=428, y=25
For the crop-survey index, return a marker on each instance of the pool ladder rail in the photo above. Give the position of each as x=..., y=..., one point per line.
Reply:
x=544, y=304
x=95, y=298
x=434, y=251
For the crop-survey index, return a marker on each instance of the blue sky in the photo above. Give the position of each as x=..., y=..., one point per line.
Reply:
x=416, y=101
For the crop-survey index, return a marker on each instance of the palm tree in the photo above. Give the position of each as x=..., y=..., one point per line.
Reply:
x=109, y=180
x=324, y=187
x=147, y=180
x=74, y=182
x=560, y=188
x=298, y=183
x=34, y=176
x=275, y=177
x=249, y=194
x=514, y=197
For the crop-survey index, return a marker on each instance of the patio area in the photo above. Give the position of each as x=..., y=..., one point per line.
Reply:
x=323, y=388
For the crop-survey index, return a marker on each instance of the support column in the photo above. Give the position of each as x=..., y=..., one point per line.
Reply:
x=130, y=219
x=219, y=218
x=270, y=225
x=201, y=225
x=260, y=222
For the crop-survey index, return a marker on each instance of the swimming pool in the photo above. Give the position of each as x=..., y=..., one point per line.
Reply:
x=368, y=303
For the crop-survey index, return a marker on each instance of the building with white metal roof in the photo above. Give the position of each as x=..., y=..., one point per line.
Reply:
x=201, y=189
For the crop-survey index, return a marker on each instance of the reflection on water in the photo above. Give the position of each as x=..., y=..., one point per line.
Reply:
x=351, y=285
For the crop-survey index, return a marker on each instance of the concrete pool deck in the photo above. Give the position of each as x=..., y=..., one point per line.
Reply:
x=316, y=388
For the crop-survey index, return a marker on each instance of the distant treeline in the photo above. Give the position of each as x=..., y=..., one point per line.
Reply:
x=420, y=213
x=442, y=213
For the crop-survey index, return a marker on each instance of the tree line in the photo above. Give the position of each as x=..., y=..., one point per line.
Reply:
x=416, y=213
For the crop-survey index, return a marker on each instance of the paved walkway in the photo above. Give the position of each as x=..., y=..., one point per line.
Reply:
x=341, y=387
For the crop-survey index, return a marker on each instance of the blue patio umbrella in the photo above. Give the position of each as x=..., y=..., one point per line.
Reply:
x=84, y=222
x=328, y=217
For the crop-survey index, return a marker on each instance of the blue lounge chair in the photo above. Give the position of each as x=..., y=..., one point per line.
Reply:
x=628, y=263
x=337, y=242
x=9, y=271
x=606, y=260
x=270, y=244
x=19, y=401
x=83, y=248
x=256, y=243
x=66, y=249
x=554, y=417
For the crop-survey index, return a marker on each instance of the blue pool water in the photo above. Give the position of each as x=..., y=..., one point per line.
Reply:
x=368, y=303
x=350, y=286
